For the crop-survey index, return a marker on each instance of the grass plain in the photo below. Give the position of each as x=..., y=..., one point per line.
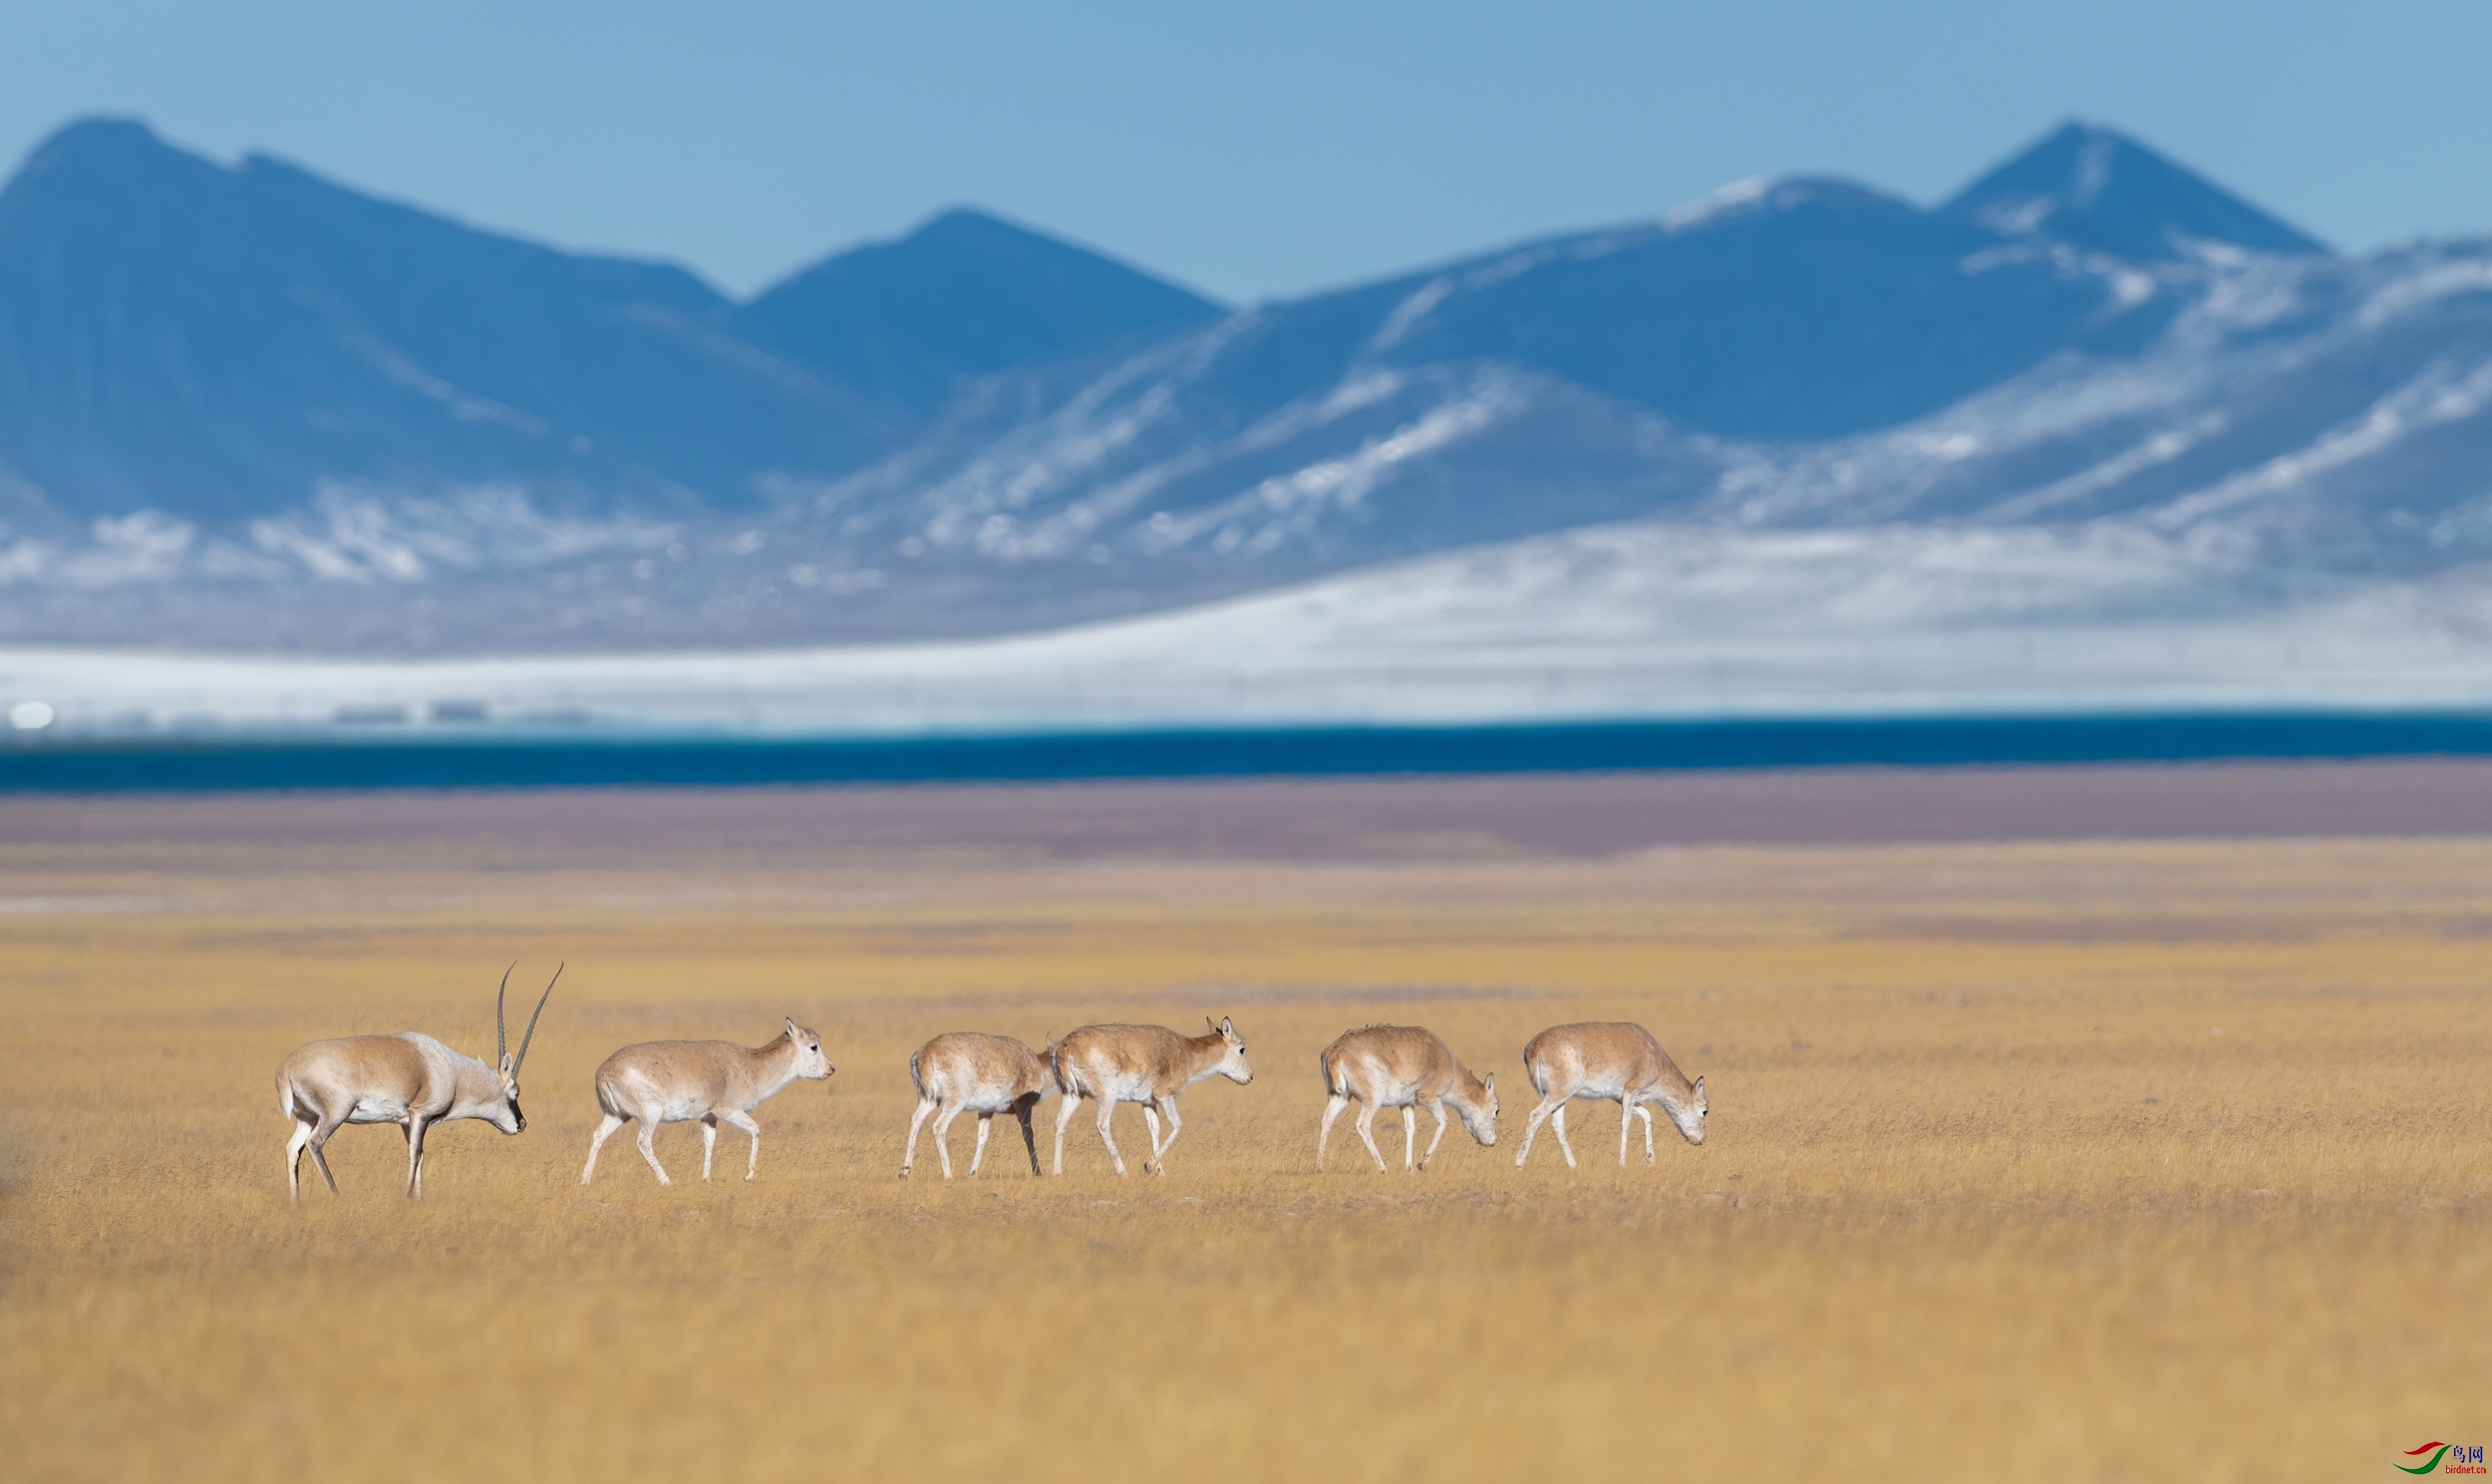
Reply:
x=2046, y=1160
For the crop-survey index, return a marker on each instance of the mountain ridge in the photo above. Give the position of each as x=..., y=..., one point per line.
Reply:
x=1788, y=354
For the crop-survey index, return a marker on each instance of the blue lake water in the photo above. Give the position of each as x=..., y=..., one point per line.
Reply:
x=1919, y=742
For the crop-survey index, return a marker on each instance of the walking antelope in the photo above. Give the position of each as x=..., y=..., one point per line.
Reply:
x=672, y=1081
x=1148, y=1064
x=409, y=1079
x=1405, y=1067
x=1617, y=1060
x=965, y=1071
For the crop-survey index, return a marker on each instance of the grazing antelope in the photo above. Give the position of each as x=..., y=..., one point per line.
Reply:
x=670, y=1082
x=1148, y=1064
x=965, y=1071
x=409, y=1079
x=1617, y=1060
x=1405, y=1067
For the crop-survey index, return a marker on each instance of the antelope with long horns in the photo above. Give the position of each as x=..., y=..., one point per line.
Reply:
x=409, y=1079
x=1617, y=1060
x=1405, y=1067
x=966, y=1071
x=1148, y=1064
x=716, y=1082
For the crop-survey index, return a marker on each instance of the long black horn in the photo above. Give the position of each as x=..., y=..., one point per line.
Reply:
x=541, y=1010
x=501, y=1037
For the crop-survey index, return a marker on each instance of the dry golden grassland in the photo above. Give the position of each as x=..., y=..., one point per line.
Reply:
x=2064, y=1162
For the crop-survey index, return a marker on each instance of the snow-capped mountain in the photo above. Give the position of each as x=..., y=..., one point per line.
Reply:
x=243, y=408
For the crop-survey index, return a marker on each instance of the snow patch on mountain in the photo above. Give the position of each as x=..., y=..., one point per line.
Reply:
x=1638, y=621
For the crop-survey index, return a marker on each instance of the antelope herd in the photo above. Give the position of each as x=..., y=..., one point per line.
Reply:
x=415, y=1081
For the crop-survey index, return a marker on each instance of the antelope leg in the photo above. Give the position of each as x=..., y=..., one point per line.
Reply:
x=1438, y=1108
x=294, y=1159
x=596, y=1141
x=925, y=1107
x=1063, y=1115
x=1176, y=1126
x=1106, y=1109
x=1557, y=1121
x=1410, y=1135
x=647, y=1138
x=415, y=1157
x=1531, y=1126
x=1626, y=1121
x=943, y=1136
x=709, y=1141
x=978, y=1156
x=320, y=1147
x=1029, y=1136
x=1367, y=1132
x=753, y=1136
x=1647, y=1132
x=1331, y=1111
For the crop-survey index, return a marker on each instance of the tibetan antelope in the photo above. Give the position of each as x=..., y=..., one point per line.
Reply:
x=1405, y=1067
x=409, y=1079
x=1617, y=1060
x=716, y=1082
x=964, y=1071
x=1148, y=1064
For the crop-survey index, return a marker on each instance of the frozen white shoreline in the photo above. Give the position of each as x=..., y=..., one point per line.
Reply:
x=1621, y=623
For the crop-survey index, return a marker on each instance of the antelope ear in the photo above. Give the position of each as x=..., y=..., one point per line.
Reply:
x=1491, y=1083
x=792, y=1031
x=506, y=1063
x=1699, y=1088
x=1225, y=1028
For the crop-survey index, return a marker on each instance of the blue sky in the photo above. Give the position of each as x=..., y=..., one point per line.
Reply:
x=1252, y=150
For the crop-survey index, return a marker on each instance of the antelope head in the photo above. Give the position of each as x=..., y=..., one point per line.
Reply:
x=511, y=1119
x=1479, y=1115
x=1690, y=1115
x=1233, y=1060
x=811, y=1064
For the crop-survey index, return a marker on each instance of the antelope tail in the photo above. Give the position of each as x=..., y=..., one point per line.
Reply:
x=1333, y=1080
x=286, y=1095
x=914, y=1079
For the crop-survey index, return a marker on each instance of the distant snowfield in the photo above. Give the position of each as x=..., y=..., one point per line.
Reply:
x=1625, y=622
